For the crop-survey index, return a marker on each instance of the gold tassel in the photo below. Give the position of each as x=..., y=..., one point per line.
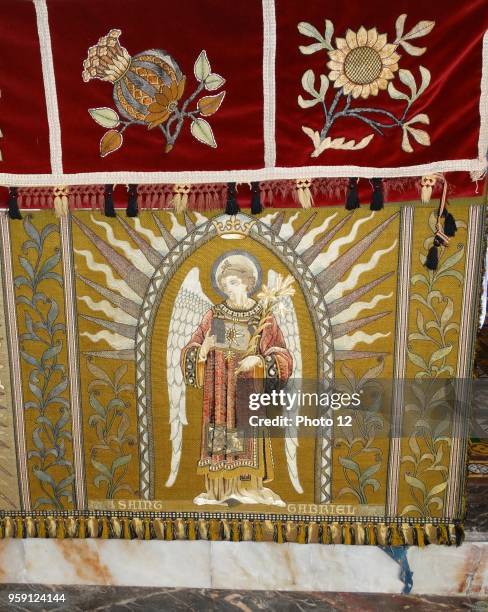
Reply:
x=214, y=530
x=116, y=527
x=396, y=536
x=60, y=531
x=407, y=534
x=303, y=192
x=191, y=529
x=326, y=534
x=158, y=527
x=420, y=535
x=19, y=532
x=180, y=529
x=247, y=530
x=147, y=529
x=9, y=527
x=105, y=534
x=346, y=534
x=442, y=535
x=258, y=532
x=336, y=531
x=51, y=526
x=431, y=533
x=180, y=197
x=235, y=531
x=382, y=534
x=70, y=527
x=30, y=527
x=360, y=533
x=138, y=527
x=301, y=533
x=226, y=530
x=92, y=527
x=313, y=533
x=61, y=201
x=126, y=528
x=203, y=529
x=41, y=527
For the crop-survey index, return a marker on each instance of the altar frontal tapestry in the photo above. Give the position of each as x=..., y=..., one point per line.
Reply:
x=288, y=376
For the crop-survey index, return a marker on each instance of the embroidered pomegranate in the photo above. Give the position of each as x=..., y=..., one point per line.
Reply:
x=137, y=79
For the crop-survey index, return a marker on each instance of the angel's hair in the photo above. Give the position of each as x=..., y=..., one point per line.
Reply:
x=241, y=270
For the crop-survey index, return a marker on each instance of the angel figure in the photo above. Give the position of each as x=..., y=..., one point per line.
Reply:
x=237, y=339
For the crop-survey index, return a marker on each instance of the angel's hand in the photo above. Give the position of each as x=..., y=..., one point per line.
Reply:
x=248, y=363
x=207, y=345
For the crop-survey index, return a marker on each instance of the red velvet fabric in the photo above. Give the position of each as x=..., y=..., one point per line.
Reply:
x=232, y=35
x=453, y=57
x=23, y=120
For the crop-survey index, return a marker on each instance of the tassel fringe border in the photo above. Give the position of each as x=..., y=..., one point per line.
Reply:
x=233, y=530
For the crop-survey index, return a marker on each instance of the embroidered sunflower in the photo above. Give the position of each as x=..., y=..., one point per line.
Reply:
x=363, y=62
x=165, y=104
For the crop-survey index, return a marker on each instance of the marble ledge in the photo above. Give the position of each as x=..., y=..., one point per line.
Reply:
x=121, y=599
x=437, y=570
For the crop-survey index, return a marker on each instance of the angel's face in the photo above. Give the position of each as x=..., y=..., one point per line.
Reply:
x=233, y=287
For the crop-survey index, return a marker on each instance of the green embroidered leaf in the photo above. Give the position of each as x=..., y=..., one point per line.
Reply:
x=307, y=29
x=406, y=77
x=400, y=25
x=202, y=67
x=214, y=81
x=104, y=116
x=369, y=472
x=421, y=29
x=120, y=461
x=103, y=469
x=302, y=103
x=411, y=508
x=415, y=482
x=45, y=477
x=350, y=465
x=395, y=93
x=202, y=131
x=411, y=49
x=437, y=489
x=421, y=136
x=313, y=48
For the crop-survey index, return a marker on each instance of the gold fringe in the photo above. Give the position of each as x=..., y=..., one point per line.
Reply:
x=233, y=530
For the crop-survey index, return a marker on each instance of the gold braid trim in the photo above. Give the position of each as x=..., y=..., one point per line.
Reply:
x=331, y=531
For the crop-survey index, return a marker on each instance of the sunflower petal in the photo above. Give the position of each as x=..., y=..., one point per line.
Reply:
x=381, y=42
x=342, y=80
x=347, y=86
x=356, y=91
x=382, y=83
x=386, y=73
x=351, y=39
x=387, y=50
x=372, y=37
x=341, y=44
x=365, y=92
x=374, y=88
x=334, y=74
x=362, y=36
x=335, y=65
x=337, y=55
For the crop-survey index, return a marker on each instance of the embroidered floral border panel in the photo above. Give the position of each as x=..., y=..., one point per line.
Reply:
x=119, y=334
x=260, y=90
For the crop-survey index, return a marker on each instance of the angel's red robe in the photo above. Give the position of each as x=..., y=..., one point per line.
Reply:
x=225, y=451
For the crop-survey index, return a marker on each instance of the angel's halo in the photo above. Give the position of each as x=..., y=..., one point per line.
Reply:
x=242, y=259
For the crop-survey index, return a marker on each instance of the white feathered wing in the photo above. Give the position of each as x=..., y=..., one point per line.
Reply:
x=286, y=319
x=190, y=305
